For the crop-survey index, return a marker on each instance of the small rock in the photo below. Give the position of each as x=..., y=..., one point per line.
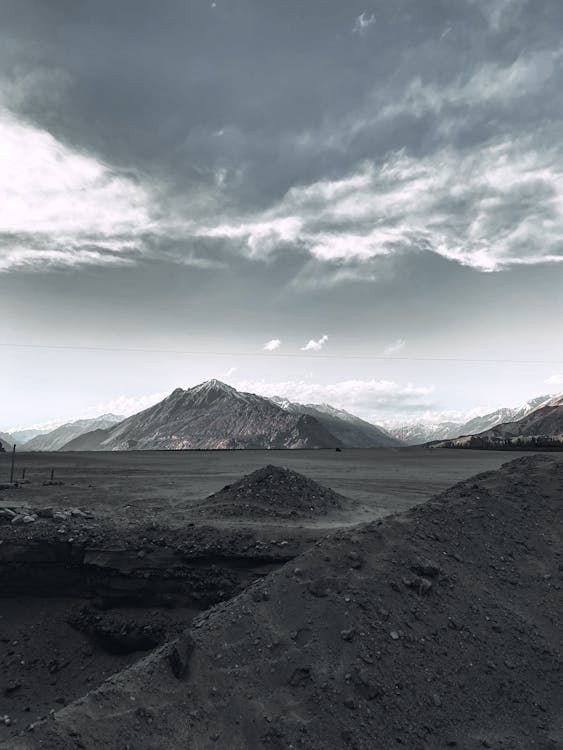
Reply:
x=394, y=635
x=299, y=676
x=179, y=656
x=12, y=687
x=319, y=587
x=426, y=568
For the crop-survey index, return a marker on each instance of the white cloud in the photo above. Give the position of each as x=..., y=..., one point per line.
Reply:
x=556, y=379
x=368, y=398
x=395, y=347
x=259, y=237
x=500, y=14
x=121, y=405
x=229, y=372
x=272, y=345
x=363, y=22
x=315, y=346
x=490, y=83
x=61, y=207
x=125, y=405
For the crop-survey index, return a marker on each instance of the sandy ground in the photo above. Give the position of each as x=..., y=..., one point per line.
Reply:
x=385, y=480
x=45, y=663
x=436, y=628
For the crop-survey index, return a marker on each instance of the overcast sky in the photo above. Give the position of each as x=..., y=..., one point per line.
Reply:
x=325, y=200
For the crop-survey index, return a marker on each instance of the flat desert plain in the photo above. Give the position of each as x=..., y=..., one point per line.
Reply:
x=383, y=480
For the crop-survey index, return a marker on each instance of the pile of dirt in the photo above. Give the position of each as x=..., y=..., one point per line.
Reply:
x=438, y=628
x=274, y=492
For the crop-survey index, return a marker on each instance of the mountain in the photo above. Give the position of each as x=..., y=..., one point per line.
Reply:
x=542, y=427
x=214, y=415
x=349, y=429
x=24, y=436
x=425, y=432
x=6, y=441
x=55, y=439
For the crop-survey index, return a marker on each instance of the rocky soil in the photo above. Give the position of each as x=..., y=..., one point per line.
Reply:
x=274, y=492
x=436, y=628
x=84, y=595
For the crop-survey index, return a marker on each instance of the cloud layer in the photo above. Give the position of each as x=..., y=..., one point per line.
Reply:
x=356, y=153
x=372, y=399
x=60, y=207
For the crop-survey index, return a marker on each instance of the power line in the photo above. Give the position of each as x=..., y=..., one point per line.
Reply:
x=277, y=354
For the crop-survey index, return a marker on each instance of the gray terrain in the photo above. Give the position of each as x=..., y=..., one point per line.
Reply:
x=191, y=607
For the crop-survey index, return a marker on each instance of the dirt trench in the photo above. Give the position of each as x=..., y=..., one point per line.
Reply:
x=73, y=612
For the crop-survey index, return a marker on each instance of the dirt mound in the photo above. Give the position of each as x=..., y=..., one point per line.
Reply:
x=438, y=628
x=274, y=492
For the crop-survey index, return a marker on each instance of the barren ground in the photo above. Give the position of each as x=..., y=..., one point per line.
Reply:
x=85, y=597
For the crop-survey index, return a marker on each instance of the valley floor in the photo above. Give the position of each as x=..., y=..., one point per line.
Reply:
x=169, y=482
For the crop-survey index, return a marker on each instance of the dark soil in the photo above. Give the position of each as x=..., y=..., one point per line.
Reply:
x=436, y=628
x=274, y=492
x=48, y=657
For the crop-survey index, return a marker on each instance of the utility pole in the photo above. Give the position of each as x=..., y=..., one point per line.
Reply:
x=13, y=462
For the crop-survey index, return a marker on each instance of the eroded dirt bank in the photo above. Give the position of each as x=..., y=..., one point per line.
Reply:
x=436, y=628
x=82, y=597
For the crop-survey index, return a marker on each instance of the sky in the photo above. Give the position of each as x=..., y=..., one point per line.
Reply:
x=358, y=203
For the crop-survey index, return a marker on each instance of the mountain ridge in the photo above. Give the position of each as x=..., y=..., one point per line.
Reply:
x=541, y=427
x=55, y=439
x=416, y=433
x=214, y=416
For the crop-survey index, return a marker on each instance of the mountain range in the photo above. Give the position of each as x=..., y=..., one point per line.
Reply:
x=424, y=432
x=542, y=426
x=57, y=438
x=214, y=415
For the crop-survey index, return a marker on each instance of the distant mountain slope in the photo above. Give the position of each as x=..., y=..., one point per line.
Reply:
x=349, y=429
x=542, y=425
x=211, y=416
x=6, y=440
x=52, y=441
x=214, y=415
x=416, y=433
x=24, y=436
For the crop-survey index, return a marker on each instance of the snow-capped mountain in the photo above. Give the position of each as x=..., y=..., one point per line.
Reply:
x=540, y=426
x=425, y=432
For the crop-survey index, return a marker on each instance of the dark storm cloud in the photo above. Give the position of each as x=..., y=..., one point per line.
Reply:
x=343, y=131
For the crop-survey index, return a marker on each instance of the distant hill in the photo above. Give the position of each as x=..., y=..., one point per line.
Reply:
x=422, y=432
x=55, y=439
x=6, y=441
x=214, y=415
x=349, y=429
x=542, y=428
x=24, y=436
